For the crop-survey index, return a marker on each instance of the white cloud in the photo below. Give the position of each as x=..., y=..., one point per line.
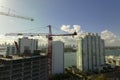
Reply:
x=68, y=29
x=43, y=39
x=76, y=28
x=8, y=39
x=1, y=36
x=110, y=38
x=65, y=39
x=65, y=28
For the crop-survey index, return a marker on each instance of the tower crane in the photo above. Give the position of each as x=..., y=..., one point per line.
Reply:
x=50, y=39
x=14, y=15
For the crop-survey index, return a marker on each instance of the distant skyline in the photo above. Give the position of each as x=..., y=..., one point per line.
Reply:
x=91, y=15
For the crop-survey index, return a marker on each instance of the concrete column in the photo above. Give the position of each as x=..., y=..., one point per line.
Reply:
x=89, y=52
x=80, y=60
x=85, y=54
x=97, y=49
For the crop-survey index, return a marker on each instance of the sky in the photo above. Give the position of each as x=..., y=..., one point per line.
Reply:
x=101, y=16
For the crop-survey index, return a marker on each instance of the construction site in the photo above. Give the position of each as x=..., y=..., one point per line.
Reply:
x=59, y=40
x=23, y=60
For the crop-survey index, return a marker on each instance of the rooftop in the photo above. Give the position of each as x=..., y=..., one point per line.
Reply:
x=18, y=57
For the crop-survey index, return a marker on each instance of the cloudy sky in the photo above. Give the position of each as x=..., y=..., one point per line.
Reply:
x=101, y=16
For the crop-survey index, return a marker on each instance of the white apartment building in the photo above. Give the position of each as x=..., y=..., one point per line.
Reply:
x=57, y=57
x=26, y=44
x=90, y=52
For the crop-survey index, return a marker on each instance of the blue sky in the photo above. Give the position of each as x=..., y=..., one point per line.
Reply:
x=91, y=15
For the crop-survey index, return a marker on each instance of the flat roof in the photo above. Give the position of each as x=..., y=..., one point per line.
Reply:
x=17, y=57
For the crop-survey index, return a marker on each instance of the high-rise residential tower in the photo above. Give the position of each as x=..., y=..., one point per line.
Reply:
x=90, y=52
x=57, y=57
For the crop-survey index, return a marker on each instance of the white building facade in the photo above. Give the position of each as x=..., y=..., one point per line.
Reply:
x=57, y=57
x=90, y=52
x=26, y=44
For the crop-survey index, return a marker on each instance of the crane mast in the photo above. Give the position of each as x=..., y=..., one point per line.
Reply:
x=49, y=50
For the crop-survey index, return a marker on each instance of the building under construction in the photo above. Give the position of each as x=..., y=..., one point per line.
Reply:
x=50, y=48
x=23, y=62
x=32, y=67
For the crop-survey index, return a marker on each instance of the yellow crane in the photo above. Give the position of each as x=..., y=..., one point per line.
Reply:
x=14, y=15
